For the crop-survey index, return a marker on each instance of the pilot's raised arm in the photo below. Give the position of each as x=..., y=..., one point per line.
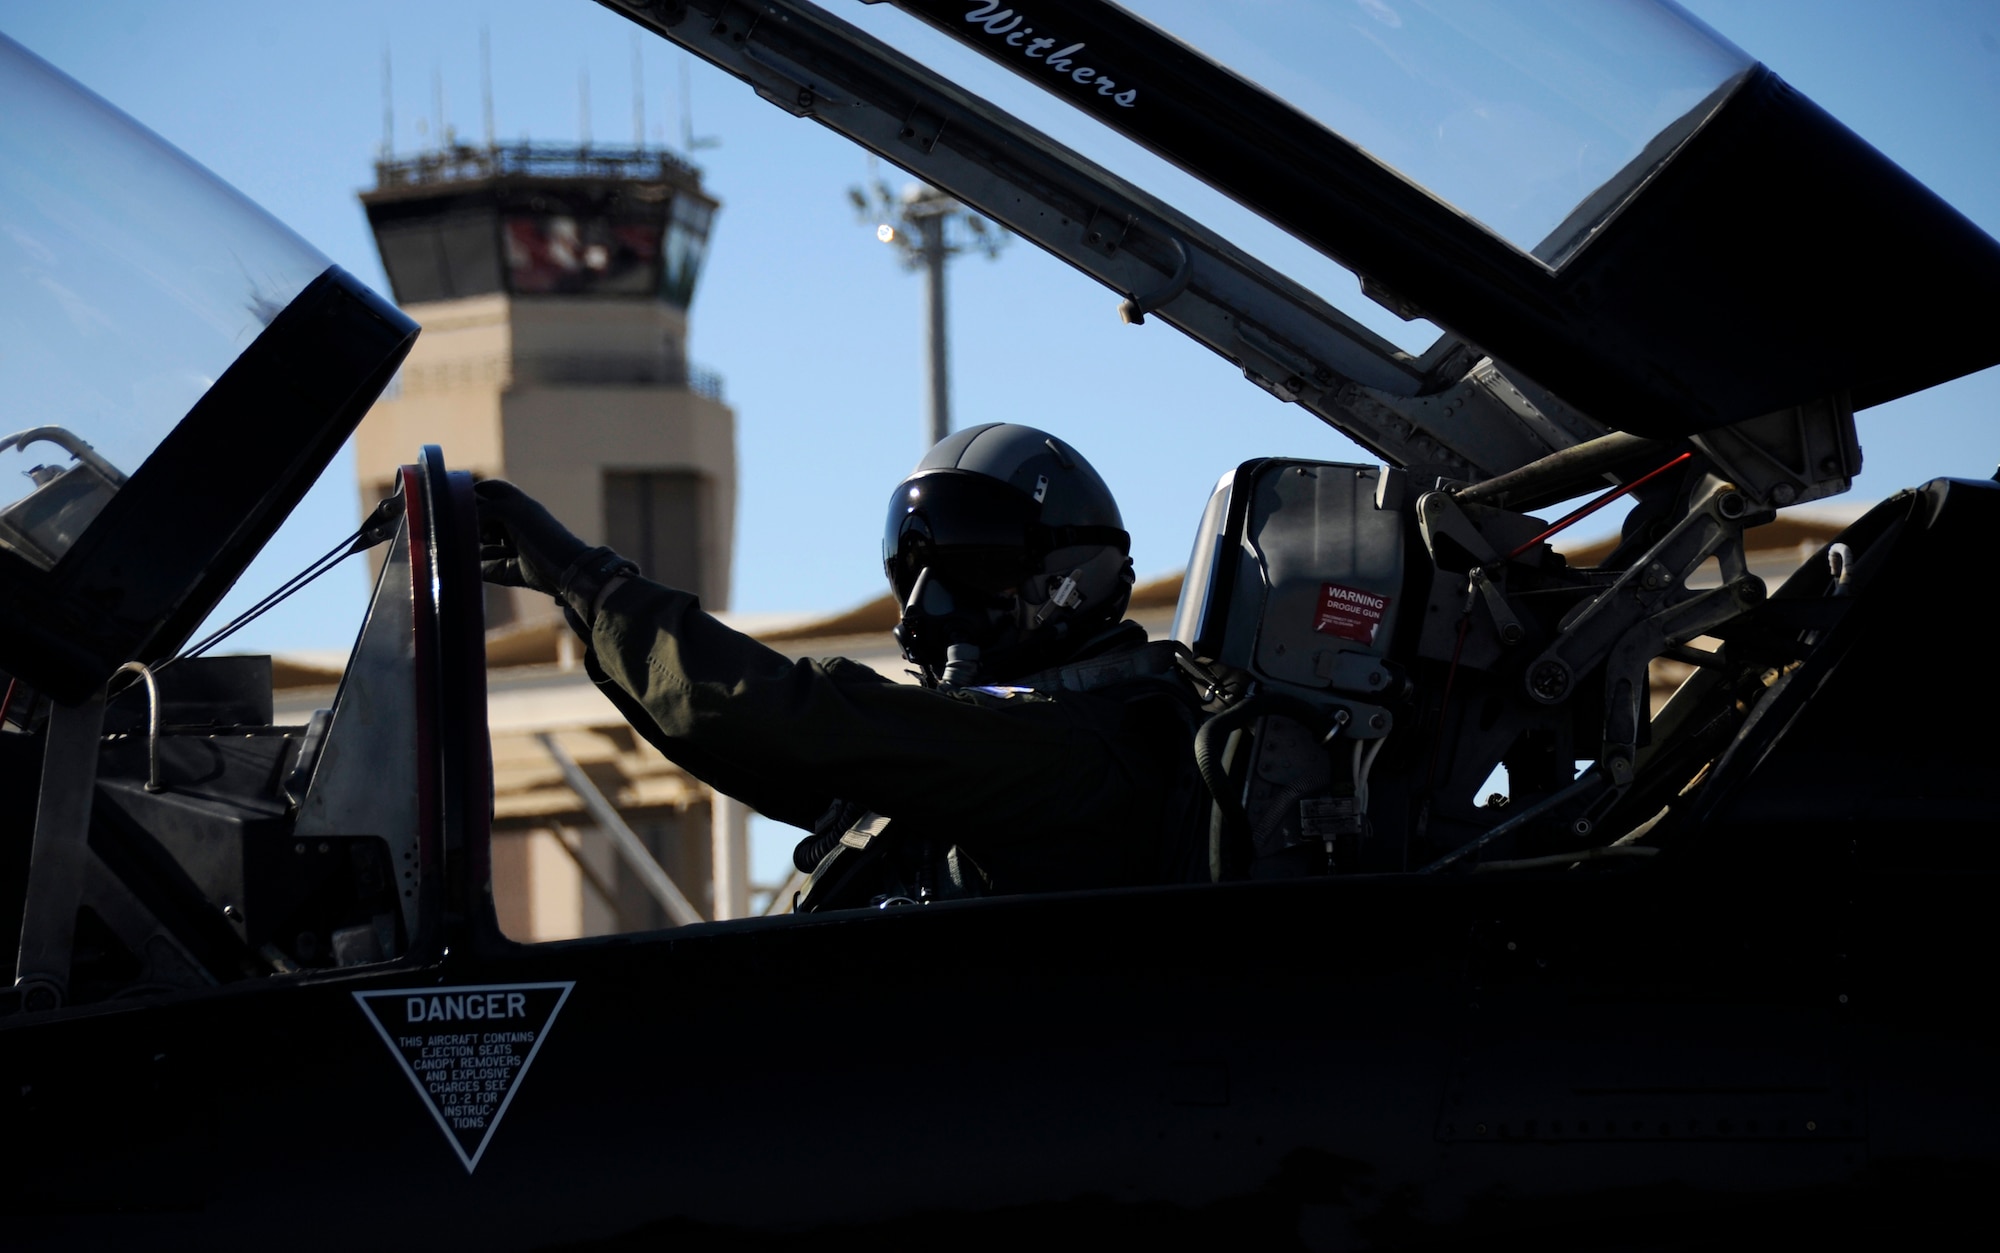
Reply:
x=1048, y=746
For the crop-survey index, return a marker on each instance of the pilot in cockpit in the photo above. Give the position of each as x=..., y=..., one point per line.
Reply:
x=1047, y=747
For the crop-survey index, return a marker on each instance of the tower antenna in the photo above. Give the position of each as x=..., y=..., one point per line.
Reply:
x=687, y=109
x=583, y=105
x=388, y=106
x=689, y=143
x=438, y=135
x=486, y=80
x=638, y=94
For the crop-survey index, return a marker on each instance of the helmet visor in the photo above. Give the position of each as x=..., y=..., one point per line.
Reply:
x=973, y=530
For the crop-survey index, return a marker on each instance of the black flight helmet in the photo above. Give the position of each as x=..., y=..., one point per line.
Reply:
x=1007, y=554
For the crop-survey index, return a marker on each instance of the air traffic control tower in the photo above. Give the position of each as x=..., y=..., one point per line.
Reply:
x=552, y=283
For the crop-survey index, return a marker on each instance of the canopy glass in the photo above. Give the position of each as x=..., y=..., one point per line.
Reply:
x=1534, y=118
x=130, y=279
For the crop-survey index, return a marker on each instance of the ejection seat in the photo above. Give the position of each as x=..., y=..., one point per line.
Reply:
x=1294, y=600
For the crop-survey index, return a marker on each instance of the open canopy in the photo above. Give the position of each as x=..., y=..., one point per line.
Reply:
x=1605, y=194
x=177, y=368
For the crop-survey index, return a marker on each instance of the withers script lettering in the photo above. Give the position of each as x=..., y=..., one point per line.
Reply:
x=1005, y=26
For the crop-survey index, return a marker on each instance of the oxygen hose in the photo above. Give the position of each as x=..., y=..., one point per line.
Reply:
x=1211, y=742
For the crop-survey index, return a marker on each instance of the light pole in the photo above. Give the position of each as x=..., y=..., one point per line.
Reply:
x=929, y=228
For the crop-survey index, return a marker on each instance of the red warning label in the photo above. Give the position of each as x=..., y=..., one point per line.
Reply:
x=1349, y=613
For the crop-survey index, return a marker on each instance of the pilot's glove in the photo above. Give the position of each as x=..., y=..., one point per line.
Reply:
x=522, y=545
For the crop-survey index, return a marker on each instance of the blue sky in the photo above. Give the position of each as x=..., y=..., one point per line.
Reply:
x=814, y=327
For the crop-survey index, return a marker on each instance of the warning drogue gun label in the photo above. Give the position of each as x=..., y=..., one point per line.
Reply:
x=1349, y=613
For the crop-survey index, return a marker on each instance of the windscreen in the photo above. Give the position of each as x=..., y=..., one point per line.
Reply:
x=1535, y=118
x=130, y=279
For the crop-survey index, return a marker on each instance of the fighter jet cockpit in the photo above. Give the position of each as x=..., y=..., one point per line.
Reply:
x=1634, y=306
x=1659, y=277
x=1480, y=944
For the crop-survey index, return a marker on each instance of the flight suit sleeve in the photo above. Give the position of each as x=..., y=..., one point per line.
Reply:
x=787, y=736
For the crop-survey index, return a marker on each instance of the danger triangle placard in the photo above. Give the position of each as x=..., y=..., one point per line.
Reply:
x=466, y=1049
